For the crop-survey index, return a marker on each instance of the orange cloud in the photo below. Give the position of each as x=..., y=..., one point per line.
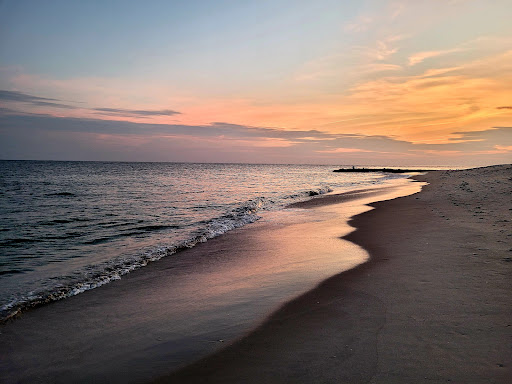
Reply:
x=344, y=150
x=503, y=148
x=421, y=56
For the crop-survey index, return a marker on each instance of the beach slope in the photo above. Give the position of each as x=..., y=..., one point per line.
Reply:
x=433, y=303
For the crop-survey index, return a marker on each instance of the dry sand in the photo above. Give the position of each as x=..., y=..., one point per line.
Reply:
x=433, y=304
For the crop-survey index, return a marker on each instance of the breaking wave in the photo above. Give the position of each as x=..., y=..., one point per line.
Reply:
x=94, y=276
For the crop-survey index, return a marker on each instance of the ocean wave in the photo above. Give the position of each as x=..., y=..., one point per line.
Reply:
x=129, y=232
x=63, y=221
x=68, y=194
x=151, y=228
x=18, y=241
x=313, y=192
x=94, y=276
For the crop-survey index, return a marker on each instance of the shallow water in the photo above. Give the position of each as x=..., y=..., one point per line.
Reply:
x=71, y=226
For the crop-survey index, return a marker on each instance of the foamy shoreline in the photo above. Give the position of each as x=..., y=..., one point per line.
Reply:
x=175, y=311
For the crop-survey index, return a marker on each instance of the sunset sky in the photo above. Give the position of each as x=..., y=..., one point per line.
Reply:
x=280, y=81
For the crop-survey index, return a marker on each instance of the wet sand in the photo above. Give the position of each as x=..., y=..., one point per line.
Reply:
x=187, y=306
x=433, y=304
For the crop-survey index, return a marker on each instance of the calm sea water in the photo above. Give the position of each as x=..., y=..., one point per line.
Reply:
x=67, y=227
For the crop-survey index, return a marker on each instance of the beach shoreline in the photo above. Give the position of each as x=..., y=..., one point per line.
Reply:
x=432, y=304
x=182, y=308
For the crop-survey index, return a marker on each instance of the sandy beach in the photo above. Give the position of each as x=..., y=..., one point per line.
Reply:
x=433, y=304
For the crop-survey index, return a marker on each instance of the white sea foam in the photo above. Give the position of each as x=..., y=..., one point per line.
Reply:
x=95, y=276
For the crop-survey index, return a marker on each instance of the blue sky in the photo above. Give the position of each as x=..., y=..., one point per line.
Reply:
x=419, y=72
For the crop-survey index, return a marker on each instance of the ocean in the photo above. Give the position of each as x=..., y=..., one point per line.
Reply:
x=68, y=227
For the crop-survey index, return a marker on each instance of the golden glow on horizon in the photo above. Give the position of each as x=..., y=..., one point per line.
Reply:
x=409, y=107
x=422, y=108
x=406, y=72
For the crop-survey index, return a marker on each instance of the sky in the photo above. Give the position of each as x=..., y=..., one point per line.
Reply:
x=283, y=81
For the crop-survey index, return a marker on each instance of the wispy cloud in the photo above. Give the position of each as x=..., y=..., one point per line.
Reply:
x=344, y=150
x=483, y=44
x=359, y=60
x=361, y=24
x=434, y=72
x=421, y=56
x=22, y=97
x=379, y=67
x=19, y=97
x=428, y=106
x=384, y=50
x=380, y=50
x=135, y=112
